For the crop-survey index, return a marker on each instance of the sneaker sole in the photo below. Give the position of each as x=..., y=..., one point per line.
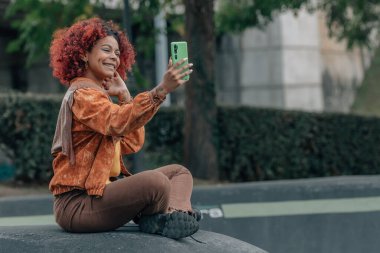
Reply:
x=173, y=225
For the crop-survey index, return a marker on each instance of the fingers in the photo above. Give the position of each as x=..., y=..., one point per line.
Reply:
x=170, y=62
x=110, y=79
x=185, y=68
x=176, y=68
x=179, y=76
x=106, y=83
x=117, y=76
x=179, y=63
x=176, y=73
x=186, y=73
x=179, y=73
x=172, y=66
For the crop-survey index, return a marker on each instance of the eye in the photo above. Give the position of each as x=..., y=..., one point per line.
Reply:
x=105, y=49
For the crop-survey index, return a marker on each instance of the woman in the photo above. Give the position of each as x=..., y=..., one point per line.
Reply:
x=92, y=57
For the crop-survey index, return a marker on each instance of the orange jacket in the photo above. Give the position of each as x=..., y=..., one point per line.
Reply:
x=97, y=124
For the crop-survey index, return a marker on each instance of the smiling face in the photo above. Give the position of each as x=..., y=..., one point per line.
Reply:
x=103, y=59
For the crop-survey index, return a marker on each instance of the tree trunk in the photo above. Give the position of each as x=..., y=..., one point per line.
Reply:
x=200, y=112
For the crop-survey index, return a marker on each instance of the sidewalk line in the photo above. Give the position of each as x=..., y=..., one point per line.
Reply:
x=27, y=220
x=301, y=207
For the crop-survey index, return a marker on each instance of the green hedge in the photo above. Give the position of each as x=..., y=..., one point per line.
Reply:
x=164, y=138
x=27, y=125
x=263, y=144
x=255, y=144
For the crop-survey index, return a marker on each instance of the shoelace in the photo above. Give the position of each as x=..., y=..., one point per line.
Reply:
x=196, y=239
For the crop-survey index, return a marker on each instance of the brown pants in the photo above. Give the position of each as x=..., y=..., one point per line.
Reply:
x=148, y=192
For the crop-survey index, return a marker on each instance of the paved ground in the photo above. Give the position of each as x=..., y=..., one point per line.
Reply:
x=329, y=215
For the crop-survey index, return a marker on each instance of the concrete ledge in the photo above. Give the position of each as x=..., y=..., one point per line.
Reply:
x=40, y=239
x=26, y=205
x=283, y=190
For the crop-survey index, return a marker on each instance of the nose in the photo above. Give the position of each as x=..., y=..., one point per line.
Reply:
x=114, y=56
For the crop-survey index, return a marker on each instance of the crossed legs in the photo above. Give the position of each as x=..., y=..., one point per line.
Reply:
x=155, y=191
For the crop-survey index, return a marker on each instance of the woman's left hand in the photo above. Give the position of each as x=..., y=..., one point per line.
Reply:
x=115, y=86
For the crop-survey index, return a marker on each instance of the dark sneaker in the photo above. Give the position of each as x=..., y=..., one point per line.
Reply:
x=173, y=225
x=196, y=214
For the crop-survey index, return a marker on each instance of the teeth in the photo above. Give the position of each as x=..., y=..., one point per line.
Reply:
x=109, y=65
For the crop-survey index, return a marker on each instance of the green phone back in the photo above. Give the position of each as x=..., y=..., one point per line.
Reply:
x=178, y=50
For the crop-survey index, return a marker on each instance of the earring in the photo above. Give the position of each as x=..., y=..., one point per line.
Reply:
x=85, y=62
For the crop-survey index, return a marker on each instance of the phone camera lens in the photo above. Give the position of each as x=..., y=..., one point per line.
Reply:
x=175, y=47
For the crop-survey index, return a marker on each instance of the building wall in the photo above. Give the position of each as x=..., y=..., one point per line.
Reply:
x=292, y=64
x=249, y=68
x=15, y=76
x=301, y=61
x=40, y=79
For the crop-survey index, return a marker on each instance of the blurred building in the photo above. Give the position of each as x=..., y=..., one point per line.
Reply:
x=292, y=64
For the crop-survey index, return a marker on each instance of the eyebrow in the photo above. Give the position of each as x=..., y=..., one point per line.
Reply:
x=109, y=46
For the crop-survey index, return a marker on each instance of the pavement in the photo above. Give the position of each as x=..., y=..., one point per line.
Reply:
x=329, y=215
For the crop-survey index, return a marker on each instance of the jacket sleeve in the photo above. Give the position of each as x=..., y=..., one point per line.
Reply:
x=94, y=109
x=132, y=142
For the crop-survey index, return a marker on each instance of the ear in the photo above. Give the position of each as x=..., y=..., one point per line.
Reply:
x=85, y=57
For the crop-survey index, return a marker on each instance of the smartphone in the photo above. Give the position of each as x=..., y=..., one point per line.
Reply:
x=178, y=51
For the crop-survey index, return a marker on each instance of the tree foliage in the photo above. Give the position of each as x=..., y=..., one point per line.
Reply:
x=351, y=20
x=36, y=21
x=235, y=16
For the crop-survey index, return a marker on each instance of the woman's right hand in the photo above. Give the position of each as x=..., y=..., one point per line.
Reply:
x=174, y=74
x=115, y=86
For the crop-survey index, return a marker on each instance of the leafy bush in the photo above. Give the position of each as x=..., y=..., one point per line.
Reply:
x=27, y=128
x=164, y=138
x=264, y=144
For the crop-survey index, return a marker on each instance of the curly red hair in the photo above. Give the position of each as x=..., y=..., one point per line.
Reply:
x=69, y=45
